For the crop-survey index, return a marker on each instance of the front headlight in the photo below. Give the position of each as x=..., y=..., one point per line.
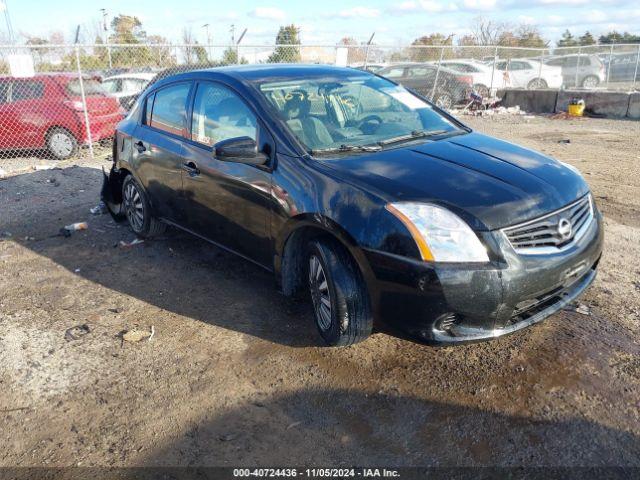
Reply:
x=441, y=236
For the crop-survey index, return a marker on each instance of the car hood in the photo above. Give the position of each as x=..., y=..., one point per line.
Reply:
x=488, y=182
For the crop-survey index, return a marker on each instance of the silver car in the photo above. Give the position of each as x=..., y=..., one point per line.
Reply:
x=579, y=70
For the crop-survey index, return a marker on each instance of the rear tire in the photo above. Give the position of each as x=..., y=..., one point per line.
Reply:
x=444, y=101
x=537, y=83
x=61, y=143
x=339, y=296
x=138, y=210
x=590, y=81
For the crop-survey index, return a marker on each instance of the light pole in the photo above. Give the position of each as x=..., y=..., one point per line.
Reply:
x=105, y=33
x=5, y=8
x=206, y=27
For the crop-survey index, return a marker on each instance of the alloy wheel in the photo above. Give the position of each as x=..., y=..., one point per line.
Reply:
x=134, y=208
x=320, y=294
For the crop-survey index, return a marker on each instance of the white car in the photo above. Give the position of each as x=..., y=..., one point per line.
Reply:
x=481, y=74
x=523, y=73
x=127, y=86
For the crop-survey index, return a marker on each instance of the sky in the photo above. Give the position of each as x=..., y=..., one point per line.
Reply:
x=324, y=21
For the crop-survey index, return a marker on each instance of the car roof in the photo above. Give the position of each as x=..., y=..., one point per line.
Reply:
x=259, y=73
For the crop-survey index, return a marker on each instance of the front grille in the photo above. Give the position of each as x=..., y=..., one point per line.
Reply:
x=552, y=232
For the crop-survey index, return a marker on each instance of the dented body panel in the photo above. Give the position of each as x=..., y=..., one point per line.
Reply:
x=259, y=211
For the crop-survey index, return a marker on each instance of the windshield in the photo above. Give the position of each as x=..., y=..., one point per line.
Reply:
x=345, y=113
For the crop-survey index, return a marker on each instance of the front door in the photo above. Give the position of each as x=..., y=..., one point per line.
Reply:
x=158, y=147
x=227, y=202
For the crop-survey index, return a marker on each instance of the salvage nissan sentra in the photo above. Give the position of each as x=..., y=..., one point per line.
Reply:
x=361, y=194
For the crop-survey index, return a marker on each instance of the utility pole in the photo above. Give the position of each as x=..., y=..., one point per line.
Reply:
x=106, y=34
x=233, y=34
x=206, y=27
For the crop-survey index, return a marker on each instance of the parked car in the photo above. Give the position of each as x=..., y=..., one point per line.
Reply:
x=370, y=67
x=525, y=73
x=452, y=89
x=377, y=204
x=481, y=74
x=622, y=67
x=581, y=70
x=46, y=111
x=127, y=86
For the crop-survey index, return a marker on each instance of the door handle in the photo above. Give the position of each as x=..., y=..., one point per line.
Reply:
x=140, y=146
x=191, y=169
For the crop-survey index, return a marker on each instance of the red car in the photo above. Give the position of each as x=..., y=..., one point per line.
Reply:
x=46, y=111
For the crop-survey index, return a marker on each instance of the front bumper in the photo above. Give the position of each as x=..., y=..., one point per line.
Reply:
x=459, y=303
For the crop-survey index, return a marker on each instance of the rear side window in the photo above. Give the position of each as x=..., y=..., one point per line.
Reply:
x=219, y=114
x=169, y=109
x=91, y=87
x=394, y=73
x=26, y=90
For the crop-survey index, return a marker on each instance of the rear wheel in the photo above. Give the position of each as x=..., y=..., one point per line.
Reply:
x=590, y=82
x=339, y=296
x=537, y=83
x=481, y=90
x=138, y=211
x=61, y=143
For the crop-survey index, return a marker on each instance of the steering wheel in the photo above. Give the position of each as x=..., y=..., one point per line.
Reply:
x=369, y=124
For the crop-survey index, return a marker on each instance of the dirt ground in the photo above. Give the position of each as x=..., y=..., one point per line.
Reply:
x=234, y=374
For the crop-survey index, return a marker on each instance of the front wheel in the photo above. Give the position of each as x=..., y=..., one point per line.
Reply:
x=444, y=101
x=138, y=211
x=339, y=296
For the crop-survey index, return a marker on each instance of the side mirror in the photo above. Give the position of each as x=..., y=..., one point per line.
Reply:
x=240, y=150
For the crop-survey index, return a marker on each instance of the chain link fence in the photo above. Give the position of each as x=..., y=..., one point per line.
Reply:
x=63, y=101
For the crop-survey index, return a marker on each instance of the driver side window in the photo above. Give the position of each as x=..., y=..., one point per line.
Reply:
x=219, y=114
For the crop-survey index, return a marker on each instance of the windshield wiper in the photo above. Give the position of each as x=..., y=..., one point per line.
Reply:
x=412, y=136
x=348, y=148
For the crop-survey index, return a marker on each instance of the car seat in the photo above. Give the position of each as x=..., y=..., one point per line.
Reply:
x=309, y=129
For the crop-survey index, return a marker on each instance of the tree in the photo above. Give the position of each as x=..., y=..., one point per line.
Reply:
x=288, y=42
x=127, y=29
x=161, y=54
x=39, y=51
x=615, y=37
x=529, y=37
x=419, y=52
x=487, y=32
x=567, y=40
x=587, y=39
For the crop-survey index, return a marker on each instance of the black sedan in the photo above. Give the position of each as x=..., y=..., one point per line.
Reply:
x=374, y=202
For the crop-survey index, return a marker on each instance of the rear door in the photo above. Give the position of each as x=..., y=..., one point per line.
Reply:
x=27, y=110
x=158, y=146
x=9, y=125
x=227, y=202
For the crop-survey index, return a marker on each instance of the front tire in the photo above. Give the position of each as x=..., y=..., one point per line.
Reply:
x=339, y=296
x=61, y=143
x=138, y=210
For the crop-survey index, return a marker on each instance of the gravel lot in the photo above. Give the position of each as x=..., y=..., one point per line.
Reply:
x=234, y=375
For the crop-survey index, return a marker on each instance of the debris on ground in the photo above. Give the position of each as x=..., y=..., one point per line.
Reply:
x=5, y=235
x=29, y=239
x=580, y=308
x=565, y=141
x=293, y=425
x=77, y=332
x=227, y=437
x=136, y=335
x=99, y=209
x=133, y=243
x=38, y=168
x=3, y=173
x=68, y=229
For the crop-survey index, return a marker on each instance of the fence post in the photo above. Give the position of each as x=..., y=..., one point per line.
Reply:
x=635, y=74
x=493, y=71
x=435, y=82
x=540, y=67
x=609, y=68
x=84, y=102
x=575, y=82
